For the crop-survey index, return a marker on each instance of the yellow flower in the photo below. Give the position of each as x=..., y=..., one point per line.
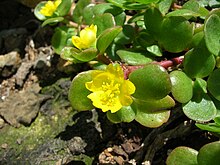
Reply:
x=110, y=91
x=86, y=39
x=49, y=8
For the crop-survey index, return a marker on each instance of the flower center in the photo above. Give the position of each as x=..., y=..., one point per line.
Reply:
x=110, y=92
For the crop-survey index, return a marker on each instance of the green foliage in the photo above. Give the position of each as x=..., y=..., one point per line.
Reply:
x=143, y=36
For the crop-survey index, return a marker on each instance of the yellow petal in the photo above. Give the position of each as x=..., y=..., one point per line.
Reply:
x=77, y=42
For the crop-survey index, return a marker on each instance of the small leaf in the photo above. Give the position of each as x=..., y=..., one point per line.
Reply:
x=209, y=154
x=183, y=13
x=64, y=7
x=126, y=36
x=88, y=14
x=201, y=108
x=103, y=22
x=37, y=11
x=164, y=6
x=212, y=34
x=152, y=119
x=124, y=4
x=176, y=34
x=155, y=49
x=182, y=89
x=61, y=36
x=86, y=55
x=79, y=9
x=67, y=53
x=133, y=57
x=106, y=8
x=125, y=114
x=107, y=37
x=182, y=156
x=52, y=21
x=199, y=86
x=78, y=92
x=211, y=127
x=199, y=62
x=151, y=82
x=214, y=84
x=153, y=19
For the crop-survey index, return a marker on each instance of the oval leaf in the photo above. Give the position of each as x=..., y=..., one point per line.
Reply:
x=201, y=109
x=209, y=154
x=67, y=53
x=213, y=83
x=37, y=11
x=52, y=21
x=78, y=92
x=182, y=156
x=86, y=55
x=151, y=82
x=212, y=34
x=106, y=38
x=64, y=7
x=182, y=89
x=176, y=34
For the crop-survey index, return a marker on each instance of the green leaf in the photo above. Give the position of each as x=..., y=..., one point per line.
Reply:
x=64, y=7
x=191, y=5
x=134, y=57
x=103, y=22
x=211, y=127
x=182, y=89
x=155, y=50
x=200, y=108
x=212, y=34
x=155, y=105
x=199, y=86
x=86, y=55
x=61, y=36
x=153, y=19
x=124, y=4
x=147, y=1
x=199, y=62
x=152, y=119
x=52, y=21
x=183, y=13
x=126, y=36
x=151, y=82
x=182, y=156
x=78, y=92
x=176, y=34
x=125, y=114
x=120, y=19
x=79, y=9
x=209, y=154
x=107, y=37
x=214, y=84
x=67, y=53
x=88, y=14
x=145, y=39
x=37, y=11
x=164, y=6
x=106, y=8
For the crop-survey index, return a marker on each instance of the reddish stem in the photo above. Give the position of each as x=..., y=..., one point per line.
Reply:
x=166, y=64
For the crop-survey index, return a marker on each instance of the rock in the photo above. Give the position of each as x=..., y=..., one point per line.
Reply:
x=10, y=59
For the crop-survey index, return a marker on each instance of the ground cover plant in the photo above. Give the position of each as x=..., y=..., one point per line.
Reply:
x=148, y=62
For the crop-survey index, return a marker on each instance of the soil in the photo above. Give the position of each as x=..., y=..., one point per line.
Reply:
x=37, y=123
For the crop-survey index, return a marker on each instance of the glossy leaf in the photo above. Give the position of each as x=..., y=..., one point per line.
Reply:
x=60, y=38
x=164, y=6
x=79, y=9
x=201, y=108
x=37, y=11
x=155, y=50
x=209, y=154
x=134, y=57
x=106, y=38
x=152, y=119
x=86, y=55
x=67, y=53
x=78, y=92
x=176, y=34
x=182, y=156
x=126, y=36
x=182, y=89
x=211, y=127
x=214, y=84
x=183, y=13
x=64, y=7
x=125, y=114
x=153, y=19
x=199, y=86
x=212, y=34
x=151, y=82
x=52, y=21
x=106, y=8
x=155, y=105
x=88, y=14
x=103, y=22
x=124, y=4
x=199, y=62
